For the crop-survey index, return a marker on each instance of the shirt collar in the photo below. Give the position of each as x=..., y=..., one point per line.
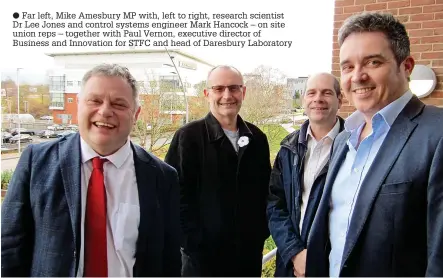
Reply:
x=331, y=134
x=389, y=113
x=117, y=158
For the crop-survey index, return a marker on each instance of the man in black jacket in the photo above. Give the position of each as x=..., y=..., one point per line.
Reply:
x=224, y=168
x=299, y=174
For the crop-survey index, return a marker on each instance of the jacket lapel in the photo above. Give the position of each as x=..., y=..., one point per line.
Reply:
x=318, y=238
x=215, y=132
x=302, y=141
x=70, y=162
x=213, y=128
x=146, y=177
x=389, y=151
x=243, y=132
x=339, y=154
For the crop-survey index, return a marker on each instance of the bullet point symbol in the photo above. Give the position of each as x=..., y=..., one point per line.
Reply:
x=15, y=15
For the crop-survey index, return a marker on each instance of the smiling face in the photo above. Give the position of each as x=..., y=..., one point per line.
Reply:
x=225, y=93
x=320, y=100
x=106, y=113
x=370, y=76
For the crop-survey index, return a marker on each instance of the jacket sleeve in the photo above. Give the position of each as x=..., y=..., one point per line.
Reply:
x=288, y=241
x=435, y=215
x=171, y=255
x=182, y=155
x=17, y=221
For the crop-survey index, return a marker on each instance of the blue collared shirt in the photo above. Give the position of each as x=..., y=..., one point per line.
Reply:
x=353, y=171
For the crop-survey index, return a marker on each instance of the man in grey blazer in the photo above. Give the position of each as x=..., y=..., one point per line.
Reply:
x=93, y=203
x=381, y=213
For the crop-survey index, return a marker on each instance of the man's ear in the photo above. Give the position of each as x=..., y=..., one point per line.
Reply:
x=409, y=64
x=136, y=114
x=206, y=92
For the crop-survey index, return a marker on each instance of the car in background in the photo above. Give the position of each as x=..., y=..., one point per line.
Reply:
x=22, y=131
x=24, y=138
x=47, y=134
x=46, y=118
x=65, y=133
x=72, y=127
x=6, y=136
x=55, y=127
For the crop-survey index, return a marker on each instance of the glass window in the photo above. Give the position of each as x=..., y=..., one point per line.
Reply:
x=57, y=83
x=57, y=100
x=169, y=83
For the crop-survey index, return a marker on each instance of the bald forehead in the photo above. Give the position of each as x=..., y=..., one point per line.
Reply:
x=321, y=81
x=225, y=74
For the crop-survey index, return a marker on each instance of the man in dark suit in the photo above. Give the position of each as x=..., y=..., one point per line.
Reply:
x=381, y=213
x=93, y=203
x=224, y=166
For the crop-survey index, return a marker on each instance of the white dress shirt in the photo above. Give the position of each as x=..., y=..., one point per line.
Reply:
x=352, y=173
x=123, y=209
x=316, y=157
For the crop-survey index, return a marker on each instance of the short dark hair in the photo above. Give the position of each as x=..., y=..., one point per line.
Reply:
x=386, y=23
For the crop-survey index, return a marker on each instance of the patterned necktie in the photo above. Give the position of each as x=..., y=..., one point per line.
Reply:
x=96, y=256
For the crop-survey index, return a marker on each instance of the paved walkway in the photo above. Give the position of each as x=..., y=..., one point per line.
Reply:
x=9, y=161
x=9, y=164
x=289, y=127
x=9, y=155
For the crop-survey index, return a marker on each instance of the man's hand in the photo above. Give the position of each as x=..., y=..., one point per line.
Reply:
x=299, y=263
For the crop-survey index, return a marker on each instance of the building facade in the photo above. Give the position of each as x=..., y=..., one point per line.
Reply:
x=154, y=71
x=424, y=22
x=297, y=85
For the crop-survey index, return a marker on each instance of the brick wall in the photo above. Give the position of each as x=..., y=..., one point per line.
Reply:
x=70, y=108
x=424, y=22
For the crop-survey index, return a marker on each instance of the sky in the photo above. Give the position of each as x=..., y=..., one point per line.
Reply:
x=308, y=24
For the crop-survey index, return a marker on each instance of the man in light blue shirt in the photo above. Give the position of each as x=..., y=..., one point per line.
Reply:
x=353, y=171
x=381, y=213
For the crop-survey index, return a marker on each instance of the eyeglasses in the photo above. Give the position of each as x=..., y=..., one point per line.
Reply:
x=222, y=88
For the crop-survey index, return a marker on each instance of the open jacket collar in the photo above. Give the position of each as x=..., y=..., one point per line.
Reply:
x=215, y=131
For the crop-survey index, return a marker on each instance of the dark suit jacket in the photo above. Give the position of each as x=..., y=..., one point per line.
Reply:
x=397, y=225
x=41, y=213
x=223, y=197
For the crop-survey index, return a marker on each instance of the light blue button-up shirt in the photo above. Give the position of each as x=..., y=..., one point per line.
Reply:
x=353, y=171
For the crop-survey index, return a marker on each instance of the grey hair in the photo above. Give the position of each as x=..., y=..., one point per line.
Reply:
x=386, y=23
x=113, y=70
x=224, y=67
